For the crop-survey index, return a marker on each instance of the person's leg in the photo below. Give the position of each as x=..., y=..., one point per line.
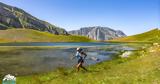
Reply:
x=83, y=67
x=78, y=66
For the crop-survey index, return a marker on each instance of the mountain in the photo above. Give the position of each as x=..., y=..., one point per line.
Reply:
x=150, y=36
x=13, y=17
x=30, y=35
x=98, y=33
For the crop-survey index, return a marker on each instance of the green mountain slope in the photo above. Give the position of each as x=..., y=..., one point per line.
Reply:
x=29, y=35
x=150, y=36
x=13, y=17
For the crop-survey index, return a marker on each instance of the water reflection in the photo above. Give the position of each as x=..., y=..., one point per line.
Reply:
x=28, y=60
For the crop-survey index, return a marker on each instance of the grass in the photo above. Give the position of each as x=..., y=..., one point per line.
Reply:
x=142, y=67
x=29, y=35
x=150, y=36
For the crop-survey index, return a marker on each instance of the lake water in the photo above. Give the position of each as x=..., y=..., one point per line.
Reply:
x=28, y=58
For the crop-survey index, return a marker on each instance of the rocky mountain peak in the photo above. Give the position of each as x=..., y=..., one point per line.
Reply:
x=98, y=33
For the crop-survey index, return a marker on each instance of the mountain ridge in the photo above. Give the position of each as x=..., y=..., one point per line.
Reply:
x=13, y=17
x=98, y=33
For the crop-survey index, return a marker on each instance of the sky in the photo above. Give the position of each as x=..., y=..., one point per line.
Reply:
x=130, y=16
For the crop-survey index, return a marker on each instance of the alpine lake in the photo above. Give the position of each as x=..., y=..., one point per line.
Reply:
x=30, y=58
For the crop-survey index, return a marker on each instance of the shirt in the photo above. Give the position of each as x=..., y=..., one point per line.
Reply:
x=78, y=55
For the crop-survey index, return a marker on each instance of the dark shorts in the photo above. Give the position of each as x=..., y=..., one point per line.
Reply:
x=80, y=61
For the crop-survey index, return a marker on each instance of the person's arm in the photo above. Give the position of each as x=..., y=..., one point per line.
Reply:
x=74, y=56
x=85, y=55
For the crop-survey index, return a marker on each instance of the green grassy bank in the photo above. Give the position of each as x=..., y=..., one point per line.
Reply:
x=142, y=67
x=29, y=35
x=150, y=36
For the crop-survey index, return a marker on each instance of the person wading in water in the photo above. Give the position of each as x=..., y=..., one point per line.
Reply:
x=80, y=55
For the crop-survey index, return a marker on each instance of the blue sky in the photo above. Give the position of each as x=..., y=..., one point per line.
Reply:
x=130, y=16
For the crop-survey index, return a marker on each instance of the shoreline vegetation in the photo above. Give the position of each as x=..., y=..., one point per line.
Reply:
x=141, y=66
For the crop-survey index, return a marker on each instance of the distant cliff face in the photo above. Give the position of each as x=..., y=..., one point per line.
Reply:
x=98, y=33
x=13, y=17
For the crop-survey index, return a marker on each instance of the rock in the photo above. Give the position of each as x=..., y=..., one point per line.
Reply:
x=98, y=33
x=126, y=54
x=95, y=58
x=13, y=17
x=155, y=44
